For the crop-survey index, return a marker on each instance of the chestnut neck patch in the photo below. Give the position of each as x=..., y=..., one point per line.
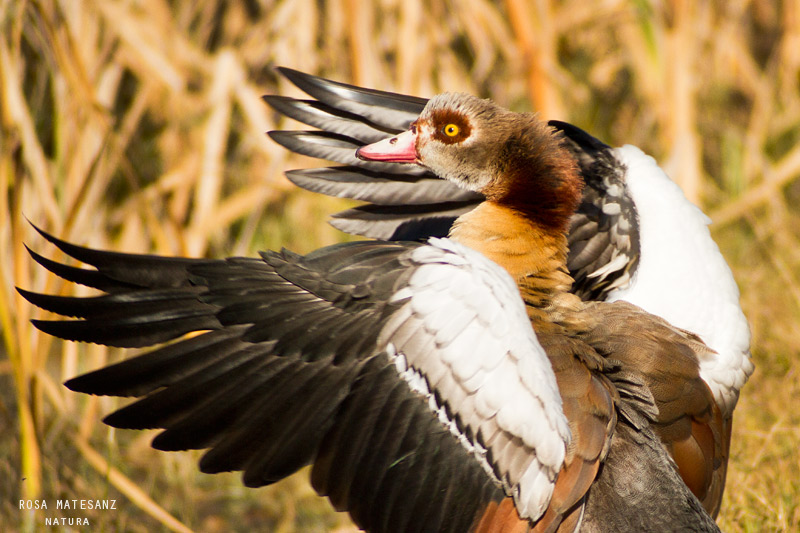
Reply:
x=538, y=178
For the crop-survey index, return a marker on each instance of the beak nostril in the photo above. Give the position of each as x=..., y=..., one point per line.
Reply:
x=398, y=149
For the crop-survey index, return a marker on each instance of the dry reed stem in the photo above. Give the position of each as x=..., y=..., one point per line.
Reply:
x=537, y=47
x=128, y=487
x=777, y=177
x=681, y=42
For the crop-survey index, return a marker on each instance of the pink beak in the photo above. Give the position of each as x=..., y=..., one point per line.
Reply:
x=399, y=149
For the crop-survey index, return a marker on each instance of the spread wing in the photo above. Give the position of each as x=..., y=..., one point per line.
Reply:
x=406, y=202
x=407, y=374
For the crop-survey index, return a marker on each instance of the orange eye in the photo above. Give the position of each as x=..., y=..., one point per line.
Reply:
x=451, y=130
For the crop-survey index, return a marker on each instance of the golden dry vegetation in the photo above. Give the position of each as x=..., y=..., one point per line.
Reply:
x=137, y=126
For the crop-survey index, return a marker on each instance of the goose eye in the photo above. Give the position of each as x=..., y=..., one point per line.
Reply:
x=451, y=130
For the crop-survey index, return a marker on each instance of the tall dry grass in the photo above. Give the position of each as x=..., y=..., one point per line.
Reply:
x=138, y=126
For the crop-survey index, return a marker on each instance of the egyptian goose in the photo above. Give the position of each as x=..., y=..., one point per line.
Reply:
x=409, y=374
x=635, y=237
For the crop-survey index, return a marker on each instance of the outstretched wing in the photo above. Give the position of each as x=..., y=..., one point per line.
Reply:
x=403, y=202
x=407, y=202
x=407, y=374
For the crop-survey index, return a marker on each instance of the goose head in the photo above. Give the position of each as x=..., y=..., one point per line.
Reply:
x=513, y=159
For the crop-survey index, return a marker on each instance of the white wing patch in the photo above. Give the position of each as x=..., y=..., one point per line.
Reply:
x=463, y=331
x=683, y=277
x=418, y=383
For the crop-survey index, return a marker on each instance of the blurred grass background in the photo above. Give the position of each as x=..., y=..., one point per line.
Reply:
x=137, y=126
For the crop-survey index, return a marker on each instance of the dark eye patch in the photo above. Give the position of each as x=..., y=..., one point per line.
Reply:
x=450, y=126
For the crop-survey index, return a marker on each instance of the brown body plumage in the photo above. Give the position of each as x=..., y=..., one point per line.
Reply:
x=599, y=351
